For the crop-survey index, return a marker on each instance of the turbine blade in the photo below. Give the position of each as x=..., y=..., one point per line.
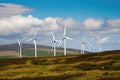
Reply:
x=35, y=35
x=18, y=41
x=29, y=40
x=60, y=43
x=84, y=37
x=65, y=30
x=34, y=41
x=69, y=38
x=53, y=36
x=57, y=40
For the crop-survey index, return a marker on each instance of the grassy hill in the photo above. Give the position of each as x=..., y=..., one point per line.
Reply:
x=95, y=66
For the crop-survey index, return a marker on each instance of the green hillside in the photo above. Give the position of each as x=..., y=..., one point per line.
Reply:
x=95, y=66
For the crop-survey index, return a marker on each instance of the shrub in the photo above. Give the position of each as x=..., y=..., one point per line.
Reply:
x=36, y=62
x=105, y=65
x=62, y=68
x=85, y=66
x=43, y=68
x=29, y=62
x=115, y=66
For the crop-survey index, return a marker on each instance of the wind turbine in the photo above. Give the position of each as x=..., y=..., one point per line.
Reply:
x=54, y=43
x=82, y=43
x=34, y=39
x=90, y=45
x=102, y=41
x=64, y=39
x=19, y=48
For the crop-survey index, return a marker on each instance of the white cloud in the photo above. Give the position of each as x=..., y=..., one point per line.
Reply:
x=92, y=24
x=102, y=27
x=17, y=24
x=28, y=25
x=70, y=23
x=114, y=23
x=7, y=10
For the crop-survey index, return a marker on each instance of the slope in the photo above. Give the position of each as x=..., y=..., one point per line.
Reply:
x=96, y=66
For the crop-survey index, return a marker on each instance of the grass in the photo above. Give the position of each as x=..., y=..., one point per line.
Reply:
x=5, y=57
x=31, y=53
x=70, y=67
x=41, y=53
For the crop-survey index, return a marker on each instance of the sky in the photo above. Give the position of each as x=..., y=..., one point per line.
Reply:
x=93, y=19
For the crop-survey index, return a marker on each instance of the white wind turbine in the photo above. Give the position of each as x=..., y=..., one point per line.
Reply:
x=54, y=43
x=102, y=41
x=19, y=48
x=34, y=39
x=64, y=39
x=90, y=44
x=82, y=43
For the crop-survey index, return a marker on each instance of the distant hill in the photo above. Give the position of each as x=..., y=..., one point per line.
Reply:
x=14, y=47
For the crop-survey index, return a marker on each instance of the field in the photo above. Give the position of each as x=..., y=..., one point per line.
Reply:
x=41, y=53
x=28, y=53
x=95, y=66
x=8, y=54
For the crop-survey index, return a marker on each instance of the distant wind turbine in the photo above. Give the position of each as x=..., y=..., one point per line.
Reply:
x=64, y=39
x=54, y=43
x=82, y=43
x=19, y=48
x=34, y=39
x=102, y=41
x=90, y=45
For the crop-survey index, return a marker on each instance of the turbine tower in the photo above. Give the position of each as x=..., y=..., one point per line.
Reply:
x=34, y=39
x=19, y=48
x=54, y=43
x=90, y=44
x=82, y=43
x=102, y=41
x=64, y=39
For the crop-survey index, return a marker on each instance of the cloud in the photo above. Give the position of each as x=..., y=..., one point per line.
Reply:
x=101, y=26
x=17, y=24
x=27, y=25
x=7, y=10
x=21, y=25
x=114, y=23
x=92, y=24
x=70, y=23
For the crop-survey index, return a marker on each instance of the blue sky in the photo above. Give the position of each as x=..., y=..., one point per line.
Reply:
x=78, y=9
x=101, y=17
